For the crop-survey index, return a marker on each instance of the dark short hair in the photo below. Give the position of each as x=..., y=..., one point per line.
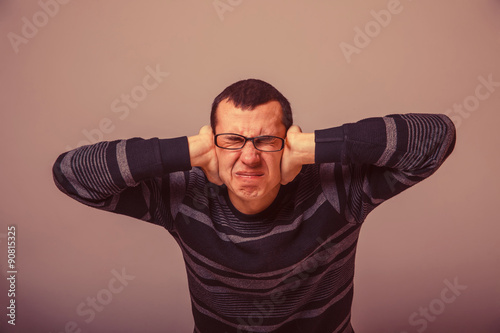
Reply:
x=250, y=93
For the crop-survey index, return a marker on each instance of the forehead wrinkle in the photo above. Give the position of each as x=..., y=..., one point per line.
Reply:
x=250, y=123
x=246, y=129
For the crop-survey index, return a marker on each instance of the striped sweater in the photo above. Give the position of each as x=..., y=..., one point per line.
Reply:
x=289, y=268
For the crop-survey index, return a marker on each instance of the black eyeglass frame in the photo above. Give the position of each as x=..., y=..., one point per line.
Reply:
x=253, y=142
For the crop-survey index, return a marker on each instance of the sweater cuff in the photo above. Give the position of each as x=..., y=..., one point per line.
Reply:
x=329, y=145
x=175, y=154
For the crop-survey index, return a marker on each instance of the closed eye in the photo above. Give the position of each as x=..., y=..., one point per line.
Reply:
x=233, y=138
x=266, y=140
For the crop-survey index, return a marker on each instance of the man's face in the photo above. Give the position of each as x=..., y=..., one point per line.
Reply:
x=252, y=177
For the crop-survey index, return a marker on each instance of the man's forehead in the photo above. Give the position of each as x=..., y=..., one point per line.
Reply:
x=230, y=104
x=263, y=119
x=269, y=110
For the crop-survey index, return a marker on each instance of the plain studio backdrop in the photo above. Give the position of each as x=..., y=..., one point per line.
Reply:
x=75, y=72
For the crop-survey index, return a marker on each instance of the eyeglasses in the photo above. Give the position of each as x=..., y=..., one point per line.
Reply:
x=267, y=143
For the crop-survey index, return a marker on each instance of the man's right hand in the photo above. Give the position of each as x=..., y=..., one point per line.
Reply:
x=202, y=154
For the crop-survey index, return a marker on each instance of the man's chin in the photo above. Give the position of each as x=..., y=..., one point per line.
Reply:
x=249, y=192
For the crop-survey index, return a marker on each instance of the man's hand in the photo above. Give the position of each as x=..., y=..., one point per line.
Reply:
x=202, y=154
x=299, y=150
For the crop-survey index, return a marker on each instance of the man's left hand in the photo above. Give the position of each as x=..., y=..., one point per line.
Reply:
x=299, y=150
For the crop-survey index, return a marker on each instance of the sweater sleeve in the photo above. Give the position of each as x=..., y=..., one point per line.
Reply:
x=378, y=158
x=124, y=176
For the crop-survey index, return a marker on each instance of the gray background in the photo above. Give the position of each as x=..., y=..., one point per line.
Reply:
x=61, y=81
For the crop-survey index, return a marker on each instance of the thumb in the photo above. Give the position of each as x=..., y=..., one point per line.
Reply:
x=207, y=129
x=294, y=129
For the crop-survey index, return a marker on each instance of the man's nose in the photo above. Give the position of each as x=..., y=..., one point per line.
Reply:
x=250, y=155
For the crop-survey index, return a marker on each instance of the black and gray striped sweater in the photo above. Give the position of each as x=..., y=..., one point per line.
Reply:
x=289, y=268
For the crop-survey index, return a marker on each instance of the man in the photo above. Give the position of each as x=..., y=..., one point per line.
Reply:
x=267, y=217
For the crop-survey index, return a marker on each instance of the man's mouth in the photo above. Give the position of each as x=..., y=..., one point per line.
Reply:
x=249, y=174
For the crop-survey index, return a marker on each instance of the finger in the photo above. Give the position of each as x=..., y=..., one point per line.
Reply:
x=284, y=180
x=214, y=178
x=217, y=181
x=294, y=129
x=206, y=129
